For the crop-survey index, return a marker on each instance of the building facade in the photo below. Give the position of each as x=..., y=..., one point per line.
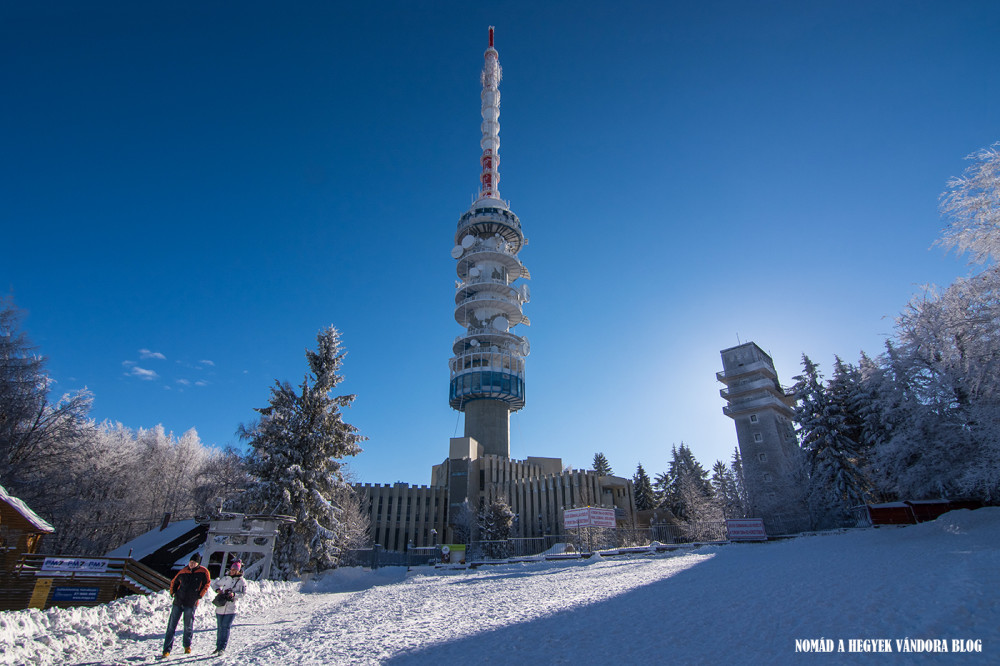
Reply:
x=762, y=411
x=487, y=383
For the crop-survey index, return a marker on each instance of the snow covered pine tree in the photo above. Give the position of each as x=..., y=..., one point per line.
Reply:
x=296, y=445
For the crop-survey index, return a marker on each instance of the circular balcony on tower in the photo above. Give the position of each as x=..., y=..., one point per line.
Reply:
x=477, y=308
x=472, y=251
x=489, y=217
x=487, y=337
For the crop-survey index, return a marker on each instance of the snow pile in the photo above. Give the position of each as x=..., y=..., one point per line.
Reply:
x=737, y=603
x=61, y=635
x=352, y=579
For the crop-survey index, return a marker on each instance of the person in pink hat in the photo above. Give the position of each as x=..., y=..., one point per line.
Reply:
x=230, y=588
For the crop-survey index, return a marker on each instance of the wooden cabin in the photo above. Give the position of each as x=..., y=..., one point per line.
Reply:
x=21, y=530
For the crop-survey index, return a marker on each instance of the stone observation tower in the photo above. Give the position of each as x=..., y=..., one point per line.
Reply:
x=487, y=369
x=762, y=411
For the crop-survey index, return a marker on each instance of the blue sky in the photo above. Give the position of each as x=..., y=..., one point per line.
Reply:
x=194, y=189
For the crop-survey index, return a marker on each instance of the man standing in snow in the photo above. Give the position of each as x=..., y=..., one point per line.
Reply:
x=187, y=588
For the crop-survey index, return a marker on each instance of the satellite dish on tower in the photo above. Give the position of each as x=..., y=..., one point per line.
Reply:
x=468, y=241
x=474, y=271
x=525, y=348
x=501, y=323
x=526, y=291
x=457, y=252
x=473, y=342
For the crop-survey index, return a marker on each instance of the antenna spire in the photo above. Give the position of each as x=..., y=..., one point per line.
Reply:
x=490, y=143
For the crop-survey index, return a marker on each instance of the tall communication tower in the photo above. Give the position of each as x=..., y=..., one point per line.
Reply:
x=487, y=369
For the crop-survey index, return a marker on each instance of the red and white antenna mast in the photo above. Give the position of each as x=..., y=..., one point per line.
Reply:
x=490, y=177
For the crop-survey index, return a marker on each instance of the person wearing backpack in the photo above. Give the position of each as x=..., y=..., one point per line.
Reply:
x=230, y=588
x=187, y=588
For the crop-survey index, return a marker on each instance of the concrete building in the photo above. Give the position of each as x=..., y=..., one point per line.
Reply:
x=487, y=383
x=762, y=412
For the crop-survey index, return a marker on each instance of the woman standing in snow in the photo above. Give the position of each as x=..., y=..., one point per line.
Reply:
x=230, y=588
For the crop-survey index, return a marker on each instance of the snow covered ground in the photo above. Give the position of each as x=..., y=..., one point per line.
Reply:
x=740, y=603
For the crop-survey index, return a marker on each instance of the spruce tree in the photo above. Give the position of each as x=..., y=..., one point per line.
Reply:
x=741, y=487
x=832, y=459
x=725, y=490
x=644, y=499
x=296, y=446
x=601, y=465
x=684, y=471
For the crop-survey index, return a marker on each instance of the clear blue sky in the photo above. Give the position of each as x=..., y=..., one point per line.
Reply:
x=213, y=182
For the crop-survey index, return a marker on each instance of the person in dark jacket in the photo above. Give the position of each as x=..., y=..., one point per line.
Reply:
x=187, y=588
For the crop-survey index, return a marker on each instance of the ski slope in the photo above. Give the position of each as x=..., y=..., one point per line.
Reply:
x=919, y=587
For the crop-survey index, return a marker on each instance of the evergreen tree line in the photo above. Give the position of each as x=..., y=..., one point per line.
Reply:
x=687, y=494
x=100, y=485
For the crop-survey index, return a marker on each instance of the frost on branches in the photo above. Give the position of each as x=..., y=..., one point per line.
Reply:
x=972, y=203
x=922, y=420
x=295, y=450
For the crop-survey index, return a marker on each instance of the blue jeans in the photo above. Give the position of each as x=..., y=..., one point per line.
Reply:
x=175, y=615
x=225, y=623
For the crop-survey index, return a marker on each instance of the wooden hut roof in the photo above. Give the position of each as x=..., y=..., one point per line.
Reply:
x=25, y=511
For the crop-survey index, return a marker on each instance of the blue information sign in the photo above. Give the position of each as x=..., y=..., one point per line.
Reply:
x=75, y=593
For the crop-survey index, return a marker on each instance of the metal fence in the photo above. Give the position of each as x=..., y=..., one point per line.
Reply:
x=377, y=556
x=581, y=540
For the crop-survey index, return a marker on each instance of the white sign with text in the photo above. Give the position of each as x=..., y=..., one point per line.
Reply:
x=746, y=529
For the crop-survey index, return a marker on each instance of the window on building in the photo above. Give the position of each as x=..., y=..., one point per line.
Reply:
x=753, y=418
x=767, y=477
x=757, y=437
x=762, y=457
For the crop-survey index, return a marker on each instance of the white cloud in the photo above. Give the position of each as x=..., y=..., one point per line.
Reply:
x=142, y=373
x=201, y=383
x=207, y=362
x=145, y=353
x=128, y=363
x=184, y=382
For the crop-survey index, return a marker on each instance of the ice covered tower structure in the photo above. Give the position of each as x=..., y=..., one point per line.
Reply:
x=487, y=369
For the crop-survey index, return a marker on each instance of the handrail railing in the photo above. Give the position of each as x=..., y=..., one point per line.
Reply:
x=120, y=568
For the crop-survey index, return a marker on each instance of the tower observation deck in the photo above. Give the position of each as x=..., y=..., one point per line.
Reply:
x=487, y=369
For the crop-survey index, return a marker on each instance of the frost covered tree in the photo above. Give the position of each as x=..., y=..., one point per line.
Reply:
x=464, y=523
x=296, y=446
x=972, y=205
x=702, y=511
x=496, y=520
x=111, y=488
x=355, y=525
x=941, y=394
x=36, y=434
x=601, y=465
x=223, y=477
x=643, y=488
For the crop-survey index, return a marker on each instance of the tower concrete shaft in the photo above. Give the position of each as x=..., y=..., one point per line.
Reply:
x=762, y=411
x=487, y=369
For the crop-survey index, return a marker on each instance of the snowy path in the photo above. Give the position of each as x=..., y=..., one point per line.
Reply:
x=409, y=619
x=737, y=603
